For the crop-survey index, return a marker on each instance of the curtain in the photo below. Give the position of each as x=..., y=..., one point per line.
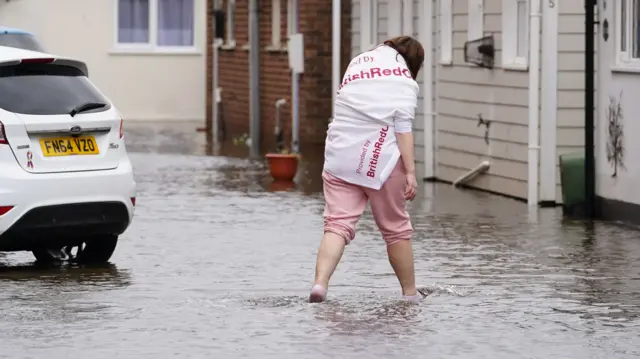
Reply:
x=133, y=21
x=175, y=22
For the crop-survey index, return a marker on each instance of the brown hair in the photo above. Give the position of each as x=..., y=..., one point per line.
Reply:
x=411, y=51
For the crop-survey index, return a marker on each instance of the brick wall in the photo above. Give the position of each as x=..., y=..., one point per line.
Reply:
x=275, y=76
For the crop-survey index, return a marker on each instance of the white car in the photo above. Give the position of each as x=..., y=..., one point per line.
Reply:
x=67, y=189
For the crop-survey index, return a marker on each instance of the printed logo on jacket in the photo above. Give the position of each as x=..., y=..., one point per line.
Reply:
x=361, y=144
x=371, y=73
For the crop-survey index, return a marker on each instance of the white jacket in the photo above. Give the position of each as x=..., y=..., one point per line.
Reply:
x=377, y=89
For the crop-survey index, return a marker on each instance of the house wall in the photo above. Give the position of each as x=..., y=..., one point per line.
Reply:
x=570, y=133
x=468, y=93
x=617, y=85
x=315, y=107
x=465, y=93
x=143, y=86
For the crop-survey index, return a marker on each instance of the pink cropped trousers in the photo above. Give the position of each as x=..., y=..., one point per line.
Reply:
x=345, y=202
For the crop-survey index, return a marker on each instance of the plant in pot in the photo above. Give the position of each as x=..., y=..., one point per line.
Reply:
x=283, y=164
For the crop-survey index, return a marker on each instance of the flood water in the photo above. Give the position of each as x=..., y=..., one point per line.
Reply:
x=218, y=263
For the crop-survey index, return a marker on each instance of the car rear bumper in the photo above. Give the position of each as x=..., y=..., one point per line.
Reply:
x=49, y=207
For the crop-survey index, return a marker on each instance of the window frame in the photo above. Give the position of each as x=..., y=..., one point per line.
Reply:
x=292, y=12
x=230, y=26
x=152, y=45
x=368, y=24
x=445, y=26
x=624, y=59
x=277, y=43
x=475, y=19
x=276, y=25
x=510, y=26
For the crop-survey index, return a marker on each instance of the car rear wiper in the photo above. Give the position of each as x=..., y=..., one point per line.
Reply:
x=86, y=107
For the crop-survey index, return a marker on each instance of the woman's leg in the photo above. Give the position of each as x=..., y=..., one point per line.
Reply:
x=390, y=213
x=344, y=204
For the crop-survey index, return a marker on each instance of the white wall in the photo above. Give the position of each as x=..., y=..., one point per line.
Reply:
x=142, y=86
x=614, y=81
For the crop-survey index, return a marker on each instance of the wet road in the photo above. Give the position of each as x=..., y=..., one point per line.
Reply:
x=218, y=264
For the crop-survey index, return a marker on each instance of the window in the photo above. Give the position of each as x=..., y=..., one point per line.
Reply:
x=628, y=33
x=515, y=34
x=475, y=19
x=231, y=24
x=368, y=24
x=276, y=24
x=446, y=32
x=44, y=89
x=292, y=13
x=150, y=24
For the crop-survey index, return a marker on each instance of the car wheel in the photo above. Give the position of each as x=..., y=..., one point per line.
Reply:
x=98, y=250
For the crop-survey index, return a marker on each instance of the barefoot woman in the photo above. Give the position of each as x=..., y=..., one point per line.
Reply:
x=369, y=158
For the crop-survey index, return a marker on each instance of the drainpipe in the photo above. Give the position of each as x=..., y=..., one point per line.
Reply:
x=295, y=91
x=278, y=130
x=427, y=87
x=467, y=177
x=534, y=102
x=335, y=56
x=218, y=37
x=589, y=104
x=254, y=78
x=549, y=105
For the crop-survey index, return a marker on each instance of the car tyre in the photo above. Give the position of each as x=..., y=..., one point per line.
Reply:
x=98, y=250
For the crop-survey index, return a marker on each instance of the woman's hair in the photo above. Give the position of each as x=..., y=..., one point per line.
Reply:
x=411, y=50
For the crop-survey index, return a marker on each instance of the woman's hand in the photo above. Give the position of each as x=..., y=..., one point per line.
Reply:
x=411, y=188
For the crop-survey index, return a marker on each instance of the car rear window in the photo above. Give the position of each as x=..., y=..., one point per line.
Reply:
x=46, y=89
x=21, y=41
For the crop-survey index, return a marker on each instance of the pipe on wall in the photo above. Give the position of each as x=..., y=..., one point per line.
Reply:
x=534, y=103
x=473, y=173
x=254, y=78
x=589, y=105
x=295, y=90
x=426, y=38
x=549, y=104
x=335, y=55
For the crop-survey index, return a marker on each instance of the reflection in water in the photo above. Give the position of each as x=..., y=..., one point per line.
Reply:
x=372, y=316
x=103, y=275
x=37, y=301
x=219, y=259
x=281, y=186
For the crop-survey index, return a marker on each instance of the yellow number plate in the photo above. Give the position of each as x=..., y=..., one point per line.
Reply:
x=69, y=146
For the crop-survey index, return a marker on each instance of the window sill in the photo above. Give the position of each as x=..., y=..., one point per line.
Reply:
x=276, y=49
x=445, y=62
x=246, y=47
x=145, y=51
x=626, y=68
x=510, y=66
x=230, y=46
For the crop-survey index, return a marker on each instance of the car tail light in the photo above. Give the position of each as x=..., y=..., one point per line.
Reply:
x=133, y=201
x=121, y=129
x=5, y=209
x=3, y=135
x=46, y=60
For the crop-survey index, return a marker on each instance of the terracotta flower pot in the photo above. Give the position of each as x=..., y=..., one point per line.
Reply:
x=283, y=167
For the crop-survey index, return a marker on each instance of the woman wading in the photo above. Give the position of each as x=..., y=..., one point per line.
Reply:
x=369, y=157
